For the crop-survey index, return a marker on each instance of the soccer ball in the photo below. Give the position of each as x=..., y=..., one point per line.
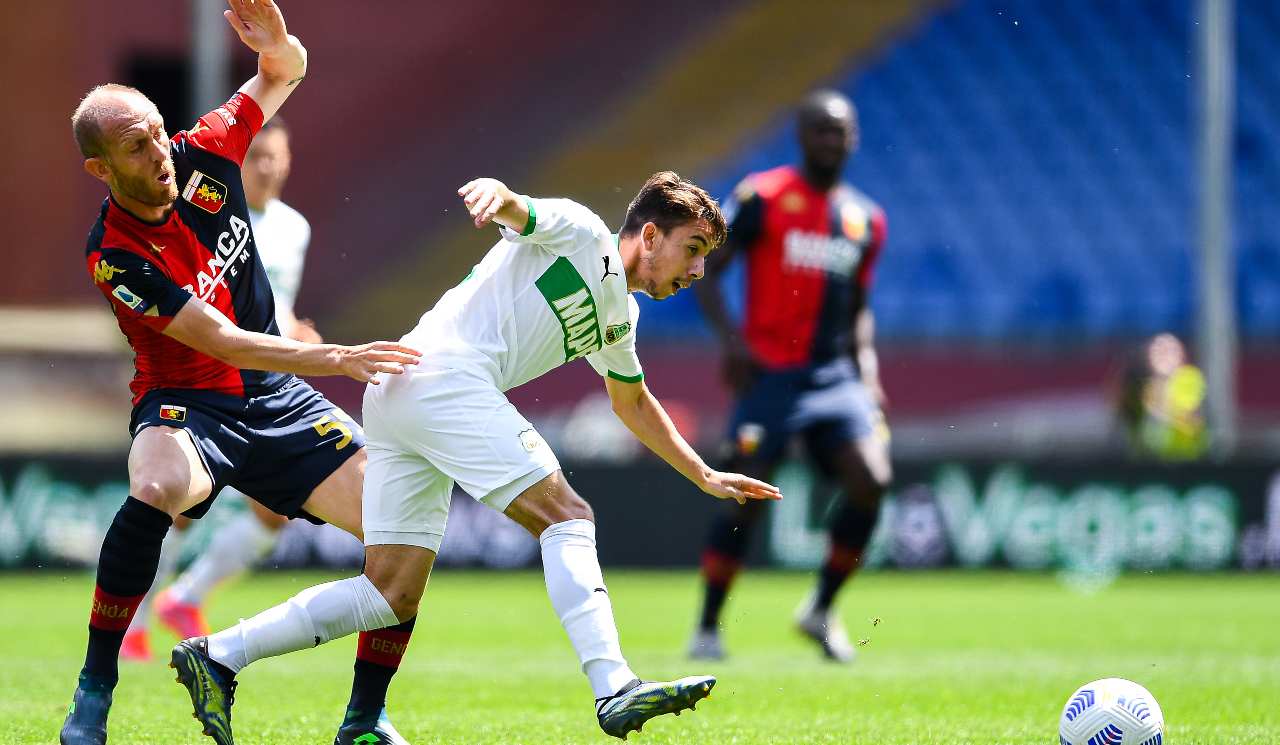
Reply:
x=1111, y=711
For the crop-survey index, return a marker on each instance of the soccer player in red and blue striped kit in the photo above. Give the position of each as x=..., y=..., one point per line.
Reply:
x=215, y=399
x=804, y=362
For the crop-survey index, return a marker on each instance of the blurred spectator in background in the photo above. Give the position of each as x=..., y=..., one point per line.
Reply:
x=1158, y=397
x=804, y=362
x=282, y=235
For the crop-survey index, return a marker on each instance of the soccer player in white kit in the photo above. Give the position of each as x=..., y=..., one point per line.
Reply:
x=282, y=235
x=555, y=288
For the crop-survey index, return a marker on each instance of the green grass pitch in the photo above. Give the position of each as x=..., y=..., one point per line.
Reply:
x=955, y=658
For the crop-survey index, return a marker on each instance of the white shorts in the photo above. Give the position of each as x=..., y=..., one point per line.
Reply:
x=429, y=428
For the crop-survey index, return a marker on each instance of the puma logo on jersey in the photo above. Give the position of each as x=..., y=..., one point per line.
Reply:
x=607, y=273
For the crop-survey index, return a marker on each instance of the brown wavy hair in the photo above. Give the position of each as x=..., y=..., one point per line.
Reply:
x=668, y=201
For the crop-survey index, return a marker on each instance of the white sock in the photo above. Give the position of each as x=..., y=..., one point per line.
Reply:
x=236, y=547
x=576, y=588
x=169, y=551
x=308, y=619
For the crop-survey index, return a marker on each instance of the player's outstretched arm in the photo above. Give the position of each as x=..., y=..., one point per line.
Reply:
x=489, y=200
x=282, y=60
x=648, y=421
x=203, y=328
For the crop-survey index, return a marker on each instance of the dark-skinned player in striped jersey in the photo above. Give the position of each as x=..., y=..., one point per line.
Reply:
x=803, y=363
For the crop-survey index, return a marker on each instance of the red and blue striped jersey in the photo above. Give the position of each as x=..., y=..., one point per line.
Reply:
x=203, y=248
x=810, y=259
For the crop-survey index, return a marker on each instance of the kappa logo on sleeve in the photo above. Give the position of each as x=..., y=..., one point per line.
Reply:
x=104, y=272
x=126, y=296
x=205, y=192
x=171, y=413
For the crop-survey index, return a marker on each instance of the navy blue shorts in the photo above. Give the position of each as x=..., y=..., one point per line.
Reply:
x=826, y=403
x=276, y=448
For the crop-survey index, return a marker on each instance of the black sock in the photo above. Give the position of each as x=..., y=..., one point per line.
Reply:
x=712, y=602
x=851, y=529
x=722, y=560
x=830, y=579
x=378, y=656
x=126, y=569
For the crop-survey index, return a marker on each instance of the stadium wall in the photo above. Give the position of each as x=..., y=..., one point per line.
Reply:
x=1089, y=519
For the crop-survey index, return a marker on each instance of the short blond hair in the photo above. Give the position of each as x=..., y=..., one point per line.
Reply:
x=86, y=121
x=668, y=201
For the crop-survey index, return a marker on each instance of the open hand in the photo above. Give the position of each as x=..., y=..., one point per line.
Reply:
x=365, y=361
x=739, y=488
x=258, y=23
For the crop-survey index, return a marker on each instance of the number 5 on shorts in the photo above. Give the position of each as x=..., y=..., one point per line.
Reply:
x=327, y=424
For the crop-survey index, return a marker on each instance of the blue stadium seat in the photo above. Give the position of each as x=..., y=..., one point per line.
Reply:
x=1037, y=164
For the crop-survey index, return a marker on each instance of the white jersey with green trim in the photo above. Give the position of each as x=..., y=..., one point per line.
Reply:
x=282, y=235
x=540, y=298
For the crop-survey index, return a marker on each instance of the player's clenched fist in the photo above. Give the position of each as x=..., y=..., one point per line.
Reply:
x=489, y=199
x=365, y=361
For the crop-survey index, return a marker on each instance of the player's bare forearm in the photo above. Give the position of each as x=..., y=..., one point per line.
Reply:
x=282, y=60
x=285, y=65
x=648, y=421
x=277, y=78
x=490, y=200
x=205, y=329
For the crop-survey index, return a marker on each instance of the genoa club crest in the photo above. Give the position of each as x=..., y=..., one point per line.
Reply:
x=205, y=192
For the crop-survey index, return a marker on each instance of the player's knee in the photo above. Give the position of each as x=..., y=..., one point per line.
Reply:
x=404, y=607
x=868, y=495
x=547, y=504
x=158, y=493
x=402, y=596
x=575, y=508
x=400, y=575
x=866, y=484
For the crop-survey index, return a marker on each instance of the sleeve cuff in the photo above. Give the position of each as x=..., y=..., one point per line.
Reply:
x=626, y=378
x=249, y=110
x=532, y=222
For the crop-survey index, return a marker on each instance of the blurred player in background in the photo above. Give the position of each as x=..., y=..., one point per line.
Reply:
x=804, y=362
x=1158, y=397
x=556, y=287
x=215, y=399
x=282, y=235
